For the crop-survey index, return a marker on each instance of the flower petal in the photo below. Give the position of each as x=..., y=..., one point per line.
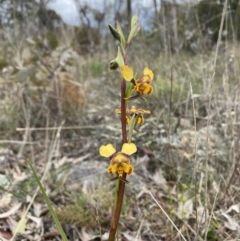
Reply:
x=127, y=72
x=148, y=72
x=133, y=109
x=129, y=148
x=148, y=90
x=142, y=111
x=140, y=120
x=120, y=170
x=118, y=111
x=128, y=120
x=119, y=158
x=144, y=89
x=106, y=151
x=112, y=168
x=127, y=168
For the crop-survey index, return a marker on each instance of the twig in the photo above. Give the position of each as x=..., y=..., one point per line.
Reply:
x=166, y=215
x=63, y=128
x=209, y=106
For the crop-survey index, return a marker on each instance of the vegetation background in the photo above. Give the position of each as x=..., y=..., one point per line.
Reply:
x=57, y=102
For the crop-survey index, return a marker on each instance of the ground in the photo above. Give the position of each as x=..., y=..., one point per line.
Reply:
x=186, y=170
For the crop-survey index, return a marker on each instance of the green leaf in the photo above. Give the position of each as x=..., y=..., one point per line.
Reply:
x=131, y=127
x=21, y=225
x=134, y=21
x=114, y=33
x=122, y=38
x=119, y=58
x=47, y=200
x=129, y=90
x=133, y=32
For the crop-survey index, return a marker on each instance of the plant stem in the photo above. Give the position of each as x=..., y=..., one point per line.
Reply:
x=121, y=184
x=123, y=111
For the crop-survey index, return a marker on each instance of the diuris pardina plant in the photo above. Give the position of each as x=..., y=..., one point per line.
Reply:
x=131, y=88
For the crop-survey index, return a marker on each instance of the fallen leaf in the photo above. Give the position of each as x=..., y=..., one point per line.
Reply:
x=5, y=235
x=146, y=150
x=11, y=211
x=21, y=225
x=202, y=215
x=231, y=223
x=36, y=220
x=158, y=177
x=185, y=209
x=129, y=237
x=234, y=207
x=5, y=200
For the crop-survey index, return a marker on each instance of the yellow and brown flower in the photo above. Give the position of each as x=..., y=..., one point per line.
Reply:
x=143, y=84
x=134, y=112
x=120, y=161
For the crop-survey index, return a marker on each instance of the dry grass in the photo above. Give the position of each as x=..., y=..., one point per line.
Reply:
x=193, y=133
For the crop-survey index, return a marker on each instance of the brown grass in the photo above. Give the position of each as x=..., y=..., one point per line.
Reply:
x=188, y=189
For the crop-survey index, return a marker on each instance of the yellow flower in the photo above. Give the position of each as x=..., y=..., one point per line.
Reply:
x=133, y=111
x=143, y=88
x=127, y=72
x=120, y=162
x=143, y=85
x=148, y=72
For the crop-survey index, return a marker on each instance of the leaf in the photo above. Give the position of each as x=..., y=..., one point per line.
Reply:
x=5, y=235
x=136, y=28
x=21, y=225
x=158, y=177
x=5, y=200
x=234, y=207
x=185, y=209
x=11, y=211
x=37, y=220
x=134, y=21
x=231, y=223
x=129, y=90
x=202, y=215
x=119, y=58
x=114, y=32
x=146, y=150
x=47, y=200
x=122, y=38
x=131, y=127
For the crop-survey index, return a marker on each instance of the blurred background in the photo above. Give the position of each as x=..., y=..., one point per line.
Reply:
x=57, y=106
